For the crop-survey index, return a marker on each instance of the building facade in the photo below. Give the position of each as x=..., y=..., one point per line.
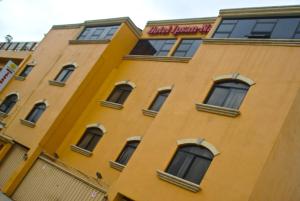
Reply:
x=190, y=109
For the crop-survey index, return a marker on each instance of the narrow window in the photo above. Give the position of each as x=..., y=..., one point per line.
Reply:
x=120, y=93
x=36, y=112
x=190, y=163
x=153, y=47
x=127, y=152
x=25, y=72
x=187, y=47
x=65, y=73
x=159, y=100
x=90, y=138
x=8, y=103
x=228, y=94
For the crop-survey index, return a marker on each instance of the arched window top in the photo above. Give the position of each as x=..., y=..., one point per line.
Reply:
x=166, y=88
x=134, y=138
x=198, y=142
x=97, y=125
x=127, y=151
x=90, y=138
x=36, y=112
x=65, y=73
x=8, y=103
x=120, y=93
x=126, y=82
x=43, y=101
x=16, y=94
x=197, y=150
x=159, y=100
x=234, y=77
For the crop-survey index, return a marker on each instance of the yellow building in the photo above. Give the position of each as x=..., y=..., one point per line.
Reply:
x=190, y=109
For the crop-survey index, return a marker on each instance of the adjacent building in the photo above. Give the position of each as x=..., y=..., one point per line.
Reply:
x=188, y=109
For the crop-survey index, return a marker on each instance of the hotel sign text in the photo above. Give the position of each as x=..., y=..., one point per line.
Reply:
x=180, y=29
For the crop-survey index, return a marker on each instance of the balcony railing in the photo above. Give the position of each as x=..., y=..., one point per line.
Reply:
x=18, y=46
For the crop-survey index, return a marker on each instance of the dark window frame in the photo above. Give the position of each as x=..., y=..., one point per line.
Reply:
x=155, y=105
x=127, y=152
x=90, y=138
x=120, y=93
x=8, y=103
x=65, y=73
x=27, y=69
x=230, y=92
x=187, y=53
x=36, y=112
x=90, y=32
x=138, y=48
x=190, y=158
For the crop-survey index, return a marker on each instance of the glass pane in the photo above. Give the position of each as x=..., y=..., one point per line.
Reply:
x=125, y=155
x=235, y=98
x=26, y=71
x=263, y=28
x=152, y=47
x=197, y=170
x=180, y=163
x=225, y=28
x=158, y=102
x=217, y=96
x=193, y=48
x=243, y=28
x=85, y=140
x=221, y=35
x=285, y=28
x=93, y=142
x=114, y=95
x=297, y=36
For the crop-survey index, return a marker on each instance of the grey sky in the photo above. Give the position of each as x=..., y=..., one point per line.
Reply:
x=29, y=20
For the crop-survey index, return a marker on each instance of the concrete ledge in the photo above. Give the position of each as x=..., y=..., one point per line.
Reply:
x=116, y=166
x=3, y=114
x=27, y=123
x=6, y=138
x=157, y=58
x=178, y=181
x=74, y=42
x=245, y=41
x=56, y=83
x=149, y=113
x=19, y=78
x=217, y=110
x=111, y=105
x=81, y=151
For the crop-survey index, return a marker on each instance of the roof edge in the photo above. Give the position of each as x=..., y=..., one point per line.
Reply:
x=182, y=21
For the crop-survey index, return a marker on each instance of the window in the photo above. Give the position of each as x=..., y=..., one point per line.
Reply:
x=187, y=48
x=25, y=72
x=8, y=103
x=228, y=94
x=90, y=138
x=277, y=28
x=159, y=100
x=65, y=73
x=36, y=112
x=98, y=33
x=190, y=162
x=127, y=152
x=120, y=93
x=153, y=47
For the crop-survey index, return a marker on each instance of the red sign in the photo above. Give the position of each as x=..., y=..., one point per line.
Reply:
x=177, y=29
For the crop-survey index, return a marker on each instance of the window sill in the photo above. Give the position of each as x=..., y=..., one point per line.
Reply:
x=6, y=138
x=20, y=78
x=111, y=105
x=157, y=58
x=178, y=181
x=243, y=41
x=75, y=42
x=27, y=123
x=150, y=113
x=217, y=110
x=3, y=114
x=2, y=125
x=116, y=166
x=81, y=151
x=56, y=83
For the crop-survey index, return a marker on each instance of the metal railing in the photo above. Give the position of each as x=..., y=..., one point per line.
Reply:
x=18, y=46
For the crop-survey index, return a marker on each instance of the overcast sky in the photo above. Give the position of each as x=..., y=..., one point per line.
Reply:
x=29, y=20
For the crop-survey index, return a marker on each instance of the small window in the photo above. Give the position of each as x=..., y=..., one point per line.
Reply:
x=127, y=152
x=90, y=138
x=187, y=48
x=120, y=93
x=98, y=33
x=25, y=72
x=190, y=163
x=36, y=112
x=8, y=103
x=153, y=47
x=159, y=100
x=65, y=73
x=228, y=94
